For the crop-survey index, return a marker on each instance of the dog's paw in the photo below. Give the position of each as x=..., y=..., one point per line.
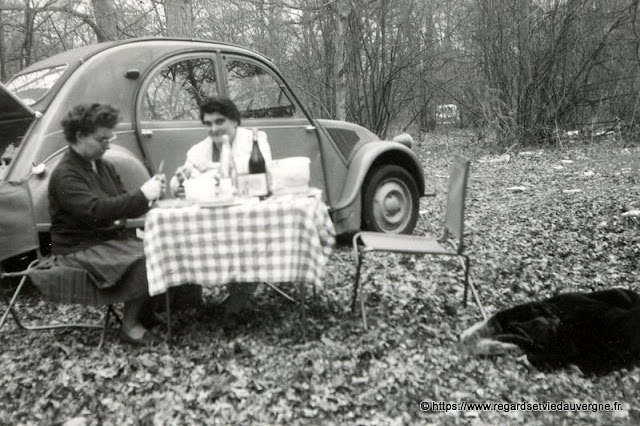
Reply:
x=474, y=333
x=486, y=347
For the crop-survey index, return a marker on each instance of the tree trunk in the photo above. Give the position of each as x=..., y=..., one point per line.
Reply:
x=106, y=19
x=3, y=50
x=339, y=76
x=27, y=45
x=179, y=17
x=427, y=118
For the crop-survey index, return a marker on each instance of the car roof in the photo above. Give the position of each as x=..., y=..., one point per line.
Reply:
x=85, y=52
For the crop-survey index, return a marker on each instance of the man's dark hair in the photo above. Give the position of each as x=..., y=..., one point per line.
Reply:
x=221, y=105
x=85, y=119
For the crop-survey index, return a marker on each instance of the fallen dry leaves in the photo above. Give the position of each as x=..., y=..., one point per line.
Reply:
x=533, y=243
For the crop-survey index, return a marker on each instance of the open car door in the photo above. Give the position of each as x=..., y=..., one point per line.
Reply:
x=15, y=119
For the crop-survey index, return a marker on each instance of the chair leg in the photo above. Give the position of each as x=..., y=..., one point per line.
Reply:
x=11, y=310
x=359, y=260
x=282, y=293
x=466, y=280
x=363, y=308
x=12, y=302
x=107, y=317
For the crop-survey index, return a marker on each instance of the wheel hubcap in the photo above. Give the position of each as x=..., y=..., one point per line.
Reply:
x=392, y=208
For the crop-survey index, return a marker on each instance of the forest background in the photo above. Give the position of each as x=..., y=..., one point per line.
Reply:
x=522, y=71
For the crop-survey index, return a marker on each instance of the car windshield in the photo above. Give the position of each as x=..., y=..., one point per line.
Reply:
x=31, y=87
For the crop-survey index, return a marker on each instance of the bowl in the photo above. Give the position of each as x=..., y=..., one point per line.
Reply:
x=206, y=188
x=289, y=174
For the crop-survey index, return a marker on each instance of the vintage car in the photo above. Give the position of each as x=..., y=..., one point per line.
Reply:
x=156, y=83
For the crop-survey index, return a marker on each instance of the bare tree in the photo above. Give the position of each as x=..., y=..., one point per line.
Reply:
x=106, y=19
x=179, y=18
x=3, y=49
x=341, y=9
x=33, y=29
x=518, y=67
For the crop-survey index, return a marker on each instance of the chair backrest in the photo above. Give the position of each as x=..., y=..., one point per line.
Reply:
x=18, y=232
x=456, y=195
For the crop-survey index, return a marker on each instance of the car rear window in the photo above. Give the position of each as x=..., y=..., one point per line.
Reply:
x=31, y=87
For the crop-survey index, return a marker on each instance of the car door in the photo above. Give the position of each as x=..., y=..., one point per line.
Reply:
x=168, y=115
x=265, y=103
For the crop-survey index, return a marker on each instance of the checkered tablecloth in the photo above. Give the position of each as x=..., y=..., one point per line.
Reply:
x=278, y=240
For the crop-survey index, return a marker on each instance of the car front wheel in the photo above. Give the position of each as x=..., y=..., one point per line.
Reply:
x=390, y=201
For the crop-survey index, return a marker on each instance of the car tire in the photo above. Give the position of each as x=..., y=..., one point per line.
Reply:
x=390, y=200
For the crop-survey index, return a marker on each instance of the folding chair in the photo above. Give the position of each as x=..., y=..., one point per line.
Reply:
x=18, y=235
x=450, y=244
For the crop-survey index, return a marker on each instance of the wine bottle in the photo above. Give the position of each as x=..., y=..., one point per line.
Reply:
x=227, y=183
x=258, y=168
x=225, y=158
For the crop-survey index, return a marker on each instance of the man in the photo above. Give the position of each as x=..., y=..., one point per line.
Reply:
x=221, y=118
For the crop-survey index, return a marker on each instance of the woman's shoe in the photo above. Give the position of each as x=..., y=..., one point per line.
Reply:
x=147, y=338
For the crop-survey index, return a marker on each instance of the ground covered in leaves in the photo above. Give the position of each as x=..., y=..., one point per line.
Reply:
x=539, y=222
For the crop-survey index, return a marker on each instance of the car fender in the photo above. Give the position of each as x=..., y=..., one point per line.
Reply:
x=132, y=172
x=370, y=155
x=346, y=213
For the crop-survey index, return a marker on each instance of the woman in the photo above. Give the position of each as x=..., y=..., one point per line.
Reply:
x=89, y=207
x=221, y=118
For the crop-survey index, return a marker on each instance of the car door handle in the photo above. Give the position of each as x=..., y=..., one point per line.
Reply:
x=310, y=128
x=147, y=133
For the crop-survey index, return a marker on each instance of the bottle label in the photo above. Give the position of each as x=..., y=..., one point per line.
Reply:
x=254, y=185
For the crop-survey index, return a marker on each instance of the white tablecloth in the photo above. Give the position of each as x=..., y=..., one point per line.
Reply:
x=283, y=239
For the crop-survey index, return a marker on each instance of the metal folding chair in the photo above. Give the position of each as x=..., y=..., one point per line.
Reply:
x=18, y=235
x=450, y=244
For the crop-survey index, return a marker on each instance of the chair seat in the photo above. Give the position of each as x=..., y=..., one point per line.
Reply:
x=410, y=244
x=62, y=284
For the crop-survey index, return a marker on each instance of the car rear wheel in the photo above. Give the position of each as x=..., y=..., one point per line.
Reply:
x=390, y=201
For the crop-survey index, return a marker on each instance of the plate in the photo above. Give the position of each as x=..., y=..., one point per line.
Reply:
x=220, y=203
x=174, y=203
x=290, y=190
x=300, y=191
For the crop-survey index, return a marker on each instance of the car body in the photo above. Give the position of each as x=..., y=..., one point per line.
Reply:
x=156, y=84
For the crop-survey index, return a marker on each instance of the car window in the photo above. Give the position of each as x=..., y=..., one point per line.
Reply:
x=176, y=91
x=256, y=92
x=31, y=87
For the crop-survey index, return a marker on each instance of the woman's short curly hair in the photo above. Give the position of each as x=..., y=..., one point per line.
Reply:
x=85, y=119
x=221, y=105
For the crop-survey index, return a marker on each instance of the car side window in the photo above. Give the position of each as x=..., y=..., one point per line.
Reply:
x=256, y=92
x=176, y=91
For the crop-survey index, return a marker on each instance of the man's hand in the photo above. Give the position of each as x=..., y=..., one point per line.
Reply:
x=183, y=173
x=179, y=192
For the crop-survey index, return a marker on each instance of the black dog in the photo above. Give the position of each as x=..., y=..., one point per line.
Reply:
x=599, y=332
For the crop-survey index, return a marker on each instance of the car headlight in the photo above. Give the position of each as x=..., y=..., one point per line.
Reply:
x=404, y=139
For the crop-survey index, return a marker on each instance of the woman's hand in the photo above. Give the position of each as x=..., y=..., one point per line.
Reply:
x=154, y=187
x=183, y=173
x=177, y=188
